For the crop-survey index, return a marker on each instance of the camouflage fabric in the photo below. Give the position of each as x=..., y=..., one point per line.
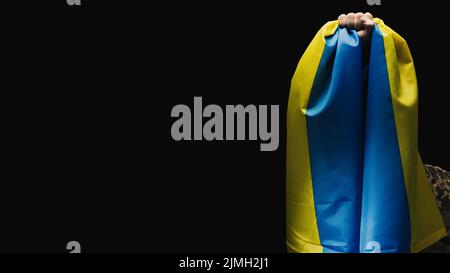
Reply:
x=440, y=180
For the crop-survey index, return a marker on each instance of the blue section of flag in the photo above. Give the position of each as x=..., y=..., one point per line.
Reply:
x=334, y=120
x=385, y=211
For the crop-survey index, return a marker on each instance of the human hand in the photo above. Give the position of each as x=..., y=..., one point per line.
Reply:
x=361, y=22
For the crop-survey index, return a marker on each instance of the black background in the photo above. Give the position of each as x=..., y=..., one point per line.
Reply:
x=87, y=96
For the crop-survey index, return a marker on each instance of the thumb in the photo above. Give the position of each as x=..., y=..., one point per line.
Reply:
x=367, y=24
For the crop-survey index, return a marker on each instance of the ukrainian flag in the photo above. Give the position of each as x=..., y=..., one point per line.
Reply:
x=355, y=180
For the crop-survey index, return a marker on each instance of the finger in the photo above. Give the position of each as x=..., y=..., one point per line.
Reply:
x=350, y=20
x=342, y=20
x=357, y=22
x=368, y=15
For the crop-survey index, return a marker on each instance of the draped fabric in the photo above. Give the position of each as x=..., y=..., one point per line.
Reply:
x=355, y=180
